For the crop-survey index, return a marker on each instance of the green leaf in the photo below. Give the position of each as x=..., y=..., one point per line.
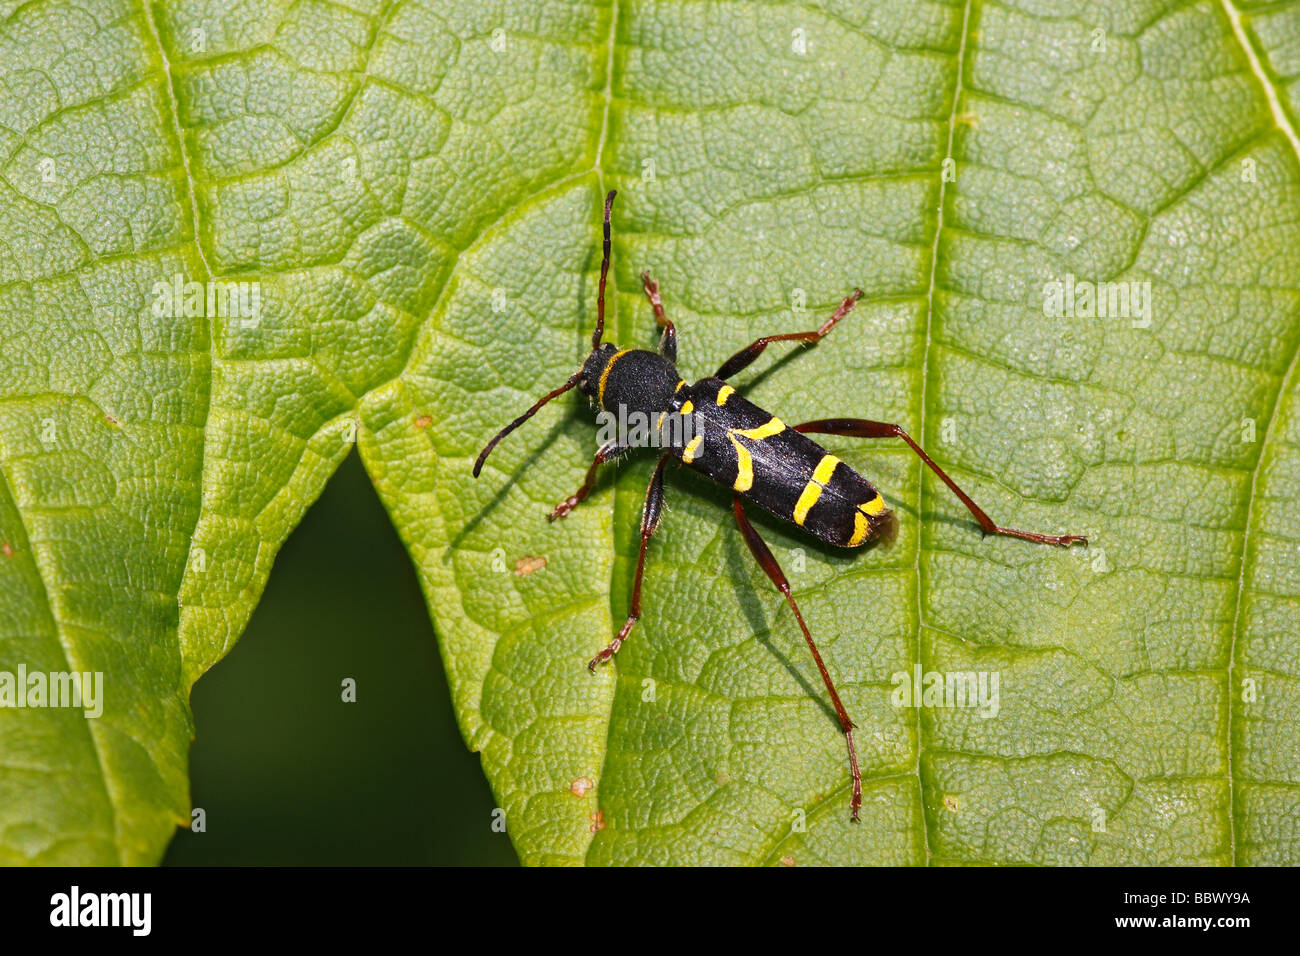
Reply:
x=415, y=188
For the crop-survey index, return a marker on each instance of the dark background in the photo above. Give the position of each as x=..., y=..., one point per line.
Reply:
x=287, y=772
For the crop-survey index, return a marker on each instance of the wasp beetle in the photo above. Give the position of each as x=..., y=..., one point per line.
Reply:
x=742, y=447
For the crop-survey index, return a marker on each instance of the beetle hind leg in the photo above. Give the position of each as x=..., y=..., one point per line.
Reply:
x=763, y=555
x=864, y=428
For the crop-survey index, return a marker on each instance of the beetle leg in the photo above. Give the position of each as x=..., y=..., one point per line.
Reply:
x=606, y=452
x=763, y=554
x=650, y=515
x=668, y=343
x=745, y=356
x=863, y=428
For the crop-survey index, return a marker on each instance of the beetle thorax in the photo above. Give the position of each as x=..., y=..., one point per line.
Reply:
x=629, y=380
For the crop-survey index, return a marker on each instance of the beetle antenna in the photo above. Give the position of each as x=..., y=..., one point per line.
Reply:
x=604, y=271
x=482, y=456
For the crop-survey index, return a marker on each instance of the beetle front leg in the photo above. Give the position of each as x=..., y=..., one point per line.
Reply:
x=668, y=343
x=606, y=452
x=742, y=359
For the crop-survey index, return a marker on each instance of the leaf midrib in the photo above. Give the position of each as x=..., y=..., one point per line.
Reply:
x=611, y=42
x=173, y=113
x=926, y=352
x=1284, y=123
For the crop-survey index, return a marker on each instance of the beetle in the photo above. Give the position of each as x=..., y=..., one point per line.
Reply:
x=745, y=448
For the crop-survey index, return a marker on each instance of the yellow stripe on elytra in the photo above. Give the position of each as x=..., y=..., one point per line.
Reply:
x=604, y=376
x=681, y=383
x=744, y=463
x=861, y=519
x=773, y=426
x=874, y=507
x=692, y=449
x=825, y=468
x=744, y=466
x=687, y=407
x=813, y=490
x=725, y=393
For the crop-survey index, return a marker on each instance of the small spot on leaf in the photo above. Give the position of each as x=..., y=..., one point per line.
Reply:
x=528, y=564
x=580, y=787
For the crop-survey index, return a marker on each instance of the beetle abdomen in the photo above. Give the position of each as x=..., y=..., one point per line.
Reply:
x=747, y=449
